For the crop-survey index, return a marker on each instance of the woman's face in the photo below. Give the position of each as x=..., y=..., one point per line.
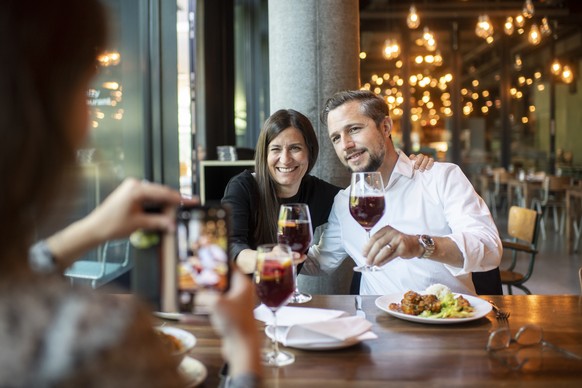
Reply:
x=288, y=160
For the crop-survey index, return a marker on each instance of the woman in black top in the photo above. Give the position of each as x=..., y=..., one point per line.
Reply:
x=286, y=151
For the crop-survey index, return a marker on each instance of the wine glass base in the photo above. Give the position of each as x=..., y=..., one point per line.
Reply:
x=280, y=358
x=300, y=297
x=368, y=268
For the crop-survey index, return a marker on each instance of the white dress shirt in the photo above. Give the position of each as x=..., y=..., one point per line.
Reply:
x=438, y=202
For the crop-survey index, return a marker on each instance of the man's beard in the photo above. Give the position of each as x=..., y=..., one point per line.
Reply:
x=373, y=165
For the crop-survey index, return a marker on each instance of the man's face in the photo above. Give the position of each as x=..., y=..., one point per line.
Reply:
x=358, y=142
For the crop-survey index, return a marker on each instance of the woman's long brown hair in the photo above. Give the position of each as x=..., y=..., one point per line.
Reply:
x=268, y=209
x=48, y=50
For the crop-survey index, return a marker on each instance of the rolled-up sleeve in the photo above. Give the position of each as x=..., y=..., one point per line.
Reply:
x=472, y=227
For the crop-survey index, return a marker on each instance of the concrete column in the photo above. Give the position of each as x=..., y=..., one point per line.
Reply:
x=314, y=48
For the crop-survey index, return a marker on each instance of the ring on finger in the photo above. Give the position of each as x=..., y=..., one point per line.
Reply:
x=389, y=246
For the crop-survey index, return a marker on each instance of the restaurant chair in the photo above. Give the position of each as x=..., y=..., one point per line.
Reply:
x=522, y=227
x=113, y=261
x=552, y=196
x=499, y=196
x=577, y=229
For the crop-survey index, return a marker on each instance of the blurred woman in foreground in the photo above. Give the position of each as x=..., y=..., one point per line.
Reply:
x=52, y=334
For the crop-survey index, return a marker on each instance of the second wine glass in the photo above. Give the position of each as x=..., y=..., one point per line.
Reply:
x=294, y=229
x=367, y=204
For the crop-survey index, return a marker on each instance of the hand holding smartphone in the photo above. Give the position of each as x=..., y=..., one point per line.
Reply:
x=195, y=258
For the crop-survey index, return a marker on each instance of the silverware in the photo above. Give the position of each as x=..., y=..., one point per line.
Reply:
x=359, y=311
x=500, y=315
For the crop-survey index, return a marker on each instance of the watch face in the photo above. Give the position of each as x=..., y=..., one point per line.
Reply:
x=427, y=240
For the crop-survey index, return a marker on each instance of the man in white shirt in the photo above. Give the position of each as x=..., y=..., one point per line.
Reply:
x=435, y=228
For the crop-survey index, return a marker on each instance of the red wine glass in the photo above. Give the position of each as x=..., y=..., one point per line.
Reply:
x=367, y=204
x=274, y=280
x=294, y=229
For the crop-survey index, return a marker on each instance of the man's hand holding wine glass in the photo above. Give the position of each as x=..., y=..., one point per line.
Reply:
x=389, y=243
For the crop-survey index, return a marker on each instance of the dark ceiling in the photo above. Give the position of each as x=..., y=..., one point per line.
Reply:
x=453, y=22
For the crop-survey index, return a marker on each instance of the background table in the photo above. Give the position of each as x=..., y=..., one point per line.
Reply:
x=415, y=354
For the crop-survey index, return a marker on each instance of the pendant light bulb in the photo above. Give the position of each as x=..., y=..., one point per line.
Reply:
x=528, y=9
x=412, y=20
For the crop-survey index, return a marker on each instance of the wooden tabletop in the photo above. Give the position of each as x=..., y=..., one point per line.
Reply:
x=416, y=354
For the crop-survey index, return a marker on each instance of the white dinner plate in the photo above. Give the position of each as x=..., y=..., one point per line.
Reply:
x=482, y=308
x=317, y=346
x=193, y=371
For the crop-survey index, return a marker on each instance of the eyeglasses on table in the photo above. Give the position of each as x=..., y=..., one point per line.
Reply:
x=526, y=338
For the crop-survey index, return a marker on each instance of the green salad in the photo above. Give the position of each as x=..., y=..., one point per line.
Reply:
x=451, y=307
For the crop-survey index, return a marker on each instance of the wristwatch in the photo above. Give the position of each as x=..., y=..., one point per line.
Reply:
x=428, y=244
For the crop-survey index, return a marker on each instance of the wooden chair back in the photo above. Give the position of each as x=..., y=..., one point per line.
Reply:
x=555, y=183
x=522, y=224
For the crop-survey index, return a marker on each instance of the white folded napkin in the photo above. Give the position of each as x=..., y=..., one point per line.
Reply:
x=311, y=328
x=345, y=330
x=288, y=316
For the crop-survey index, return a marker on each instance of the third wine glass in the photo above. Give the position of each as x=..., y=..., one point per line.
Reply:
x=294, y=229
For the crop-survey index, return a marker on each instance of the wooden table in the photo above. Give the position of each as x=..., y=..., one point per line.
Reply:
x=422, y=355
x=573, y=209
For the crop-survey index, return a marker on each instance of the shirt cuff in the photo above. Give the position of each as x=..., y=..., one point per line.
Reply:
x=41, y=259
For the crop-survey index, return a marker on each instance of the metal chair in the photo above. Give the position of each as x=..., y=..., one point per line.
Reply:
x=552, y=196
x=113, y=262
x=577, y=229
x=499, y=194
x=522, y=227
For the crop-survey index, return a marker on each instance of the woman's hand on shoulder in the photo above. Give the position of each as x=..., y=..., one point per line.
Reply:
x=422, y=162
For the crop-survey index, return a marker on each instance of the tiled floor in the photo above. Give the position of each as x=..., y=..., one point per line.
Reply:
x=555, y=271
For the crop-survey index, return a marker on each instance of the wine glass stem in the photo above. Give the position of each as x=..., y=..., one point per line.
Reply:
x=275, y=343
x=296, y=292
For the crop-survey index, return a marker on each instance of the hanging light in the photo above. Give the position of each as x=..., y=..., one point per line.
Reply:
x=567, y=75
x=428, y=39
x=391, y=49
x=438, y=58
x=518, y=62
x=519, y=21
x=556, y=67
x=528, y=9
x=508, y=26
x=484, y=28
x=534, y=36
x=412, y=20
x=545, y=29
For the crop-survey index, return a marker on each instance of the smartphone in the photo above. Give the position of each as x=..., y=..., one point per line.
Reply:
x=198, y=264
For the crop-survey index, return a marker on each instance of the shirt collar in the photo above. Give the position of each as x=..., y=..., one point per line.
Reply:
x=403, y=165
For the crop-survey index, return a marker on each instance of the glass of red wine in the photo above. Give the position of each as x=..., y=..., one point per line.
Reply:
x=367, y=205
x=294, y=229
x=275, y=282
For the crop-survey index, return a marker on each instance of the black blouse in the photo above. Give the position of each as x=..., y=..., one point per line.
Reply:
x=242, y=195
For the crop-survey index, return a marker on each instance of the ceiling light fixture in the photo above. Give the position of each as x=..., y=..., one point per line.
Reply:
x=528, y=9
x=534, y=36
x=508, y=26
x=412, y=20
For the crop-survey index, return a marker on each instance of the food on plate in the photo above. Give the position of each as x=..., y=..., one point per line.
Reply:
x=172, y=343
x=437, y=301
